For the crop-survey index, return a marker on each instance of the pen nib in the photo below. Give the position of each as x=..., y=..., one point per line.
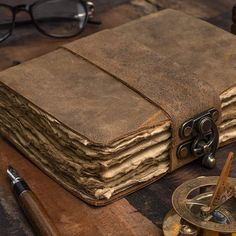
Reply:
x=12, y=174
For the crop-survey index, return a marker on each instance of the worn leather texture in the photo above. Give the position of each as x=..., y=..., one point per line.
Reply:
x=149, y=54
x=82, y=97
x=117, y=83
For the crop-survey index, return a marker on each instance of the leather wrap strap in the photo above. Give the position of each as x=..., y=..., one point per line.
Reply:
x=161, y=81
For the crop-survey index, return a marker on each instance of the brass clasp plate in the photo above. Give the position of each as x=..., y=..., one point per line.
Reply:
x=202, y=138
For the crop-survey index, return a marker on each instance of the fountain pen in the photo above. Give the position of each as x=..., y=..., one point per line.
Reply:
x=31, y=206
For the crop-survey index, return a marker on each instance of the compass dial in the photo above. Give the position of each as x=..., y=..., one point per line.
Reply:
x=193, y=196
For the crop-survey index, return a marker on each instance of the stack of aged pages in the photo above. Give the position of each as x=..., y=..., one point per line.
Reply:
x=100, y=115
x=228, y=126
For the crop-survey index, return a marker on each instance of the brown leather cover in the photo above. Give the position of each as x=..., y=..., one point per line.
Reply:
x=162, y=52
x=116, y=82
x=153, y=76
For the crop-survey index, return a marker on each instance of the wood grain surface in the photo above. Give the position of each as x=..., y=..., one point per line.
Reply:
x=72, y=216
x=154, y=201
x=27, y=43
x=37, y=214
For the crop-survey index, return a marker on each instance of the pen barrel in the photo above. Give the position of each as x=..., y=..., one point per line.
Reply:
x=36, y=214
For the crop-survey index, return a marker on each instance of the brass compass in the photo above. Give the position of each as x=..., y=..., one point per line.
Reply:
x=205, y=206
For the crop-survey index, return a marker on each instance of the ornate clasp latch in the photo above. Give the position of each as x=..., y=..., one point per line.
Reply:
x=202, y=138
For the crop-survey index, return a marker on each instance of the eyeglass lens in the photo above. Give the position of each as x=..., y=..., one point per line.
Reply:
x=6, y=19
x=60, y=18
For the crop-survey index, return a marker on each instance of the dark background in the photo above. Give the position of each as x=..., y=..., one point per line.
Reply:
x=26, y=43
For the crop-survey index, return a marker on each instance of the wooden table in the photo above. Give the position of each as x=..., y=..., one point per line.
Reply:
x=140, y=213
x=27, y=43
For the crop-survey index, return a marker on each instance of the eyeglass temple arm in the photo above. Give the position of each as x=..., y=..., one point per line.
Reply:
x=91, y=10
x=94, y=22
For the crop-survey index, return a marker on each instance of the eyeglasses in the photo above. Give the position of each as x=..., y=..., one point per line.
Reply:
x=54, y=18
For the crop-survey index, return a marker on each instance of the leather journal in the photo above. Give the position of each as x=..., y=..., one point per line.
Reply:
x=113, y=112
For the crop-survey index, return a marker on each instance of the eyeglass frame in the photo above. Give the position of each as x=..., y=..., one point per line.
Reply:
x=89, y=11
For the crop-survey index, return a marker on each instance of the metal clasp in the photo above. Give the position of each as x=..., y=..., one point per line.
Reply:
x=202, y=138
